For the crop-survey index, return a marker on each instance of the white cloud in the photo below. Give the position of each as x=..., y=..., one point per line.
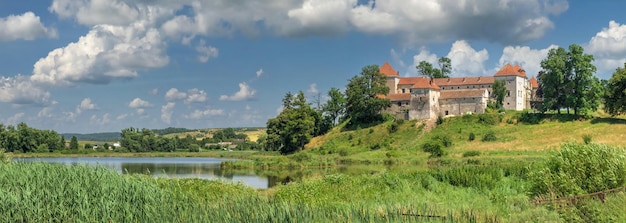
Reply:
x=13, y=120
x=100, y=121
x=25, y=27
x=139, y=103
x=166, y=112
x=19, y=90
x=259, y=72
x=466, y=61
x=313, y=89
x=105, y=53
x=196, y=96
x=244, y=93
x=206, y=52
x=608, y=48
x=527, y=58
x=121, y=117
x=425, y=21
x=198, y=114
x=141, y=111
x=85, y=104
x=45, y=112
x=94, y=12
x=173, y=94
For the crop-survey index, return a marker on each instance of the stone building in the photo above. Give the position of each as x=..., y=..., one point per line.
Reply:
x=423, y=98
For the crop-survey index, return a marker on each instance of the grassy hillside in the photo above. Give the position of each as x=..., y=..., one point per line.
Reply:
x=515, y=136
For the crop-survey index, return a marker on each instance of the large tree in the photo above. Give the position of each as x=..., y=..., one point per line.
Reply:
x=74, y=143
x=615, y=97
x=334, y=108
x=499, y=92
x=293, y=127
x=427, y=69
x=364, y=96
x=568, y=80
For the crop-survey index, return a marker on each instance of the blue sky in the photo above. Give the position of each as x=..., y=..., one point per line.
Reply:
x=103, y=65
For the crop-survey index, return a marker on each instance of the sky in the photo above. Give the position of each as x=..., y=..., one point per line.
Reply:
x=84, y=66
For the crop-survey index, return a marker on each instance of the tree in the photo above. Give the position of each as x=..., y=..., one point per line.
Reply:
x=363, y=96
x=615, y=97
x=335, y=106
x=445, y=67
x=568, y=81
x=73, y=143
x=293, y=127
x=499, y=92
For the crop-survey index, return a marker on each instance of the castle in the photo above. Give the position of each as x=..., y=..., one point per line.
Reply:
x=421, y=98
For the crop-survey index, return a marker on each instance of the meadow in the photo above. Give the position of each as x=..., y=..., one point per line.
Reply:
x=474, y=179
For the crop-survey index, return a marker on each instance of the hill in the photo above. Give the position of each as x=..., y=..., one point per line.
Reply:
x=517, y=135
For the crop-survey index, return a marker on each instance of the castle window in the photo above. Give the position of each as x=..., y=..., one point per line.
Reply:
x=403, y=90
x=458, y=87
x=446, y=112
x=508, y=93
x=399, y=103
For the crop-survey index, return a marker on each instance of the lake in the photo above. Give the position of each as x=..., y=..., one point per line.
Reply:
x=184, y=167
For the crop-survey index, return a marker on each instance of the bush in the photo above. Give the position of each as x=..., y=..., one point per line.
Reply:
x=439, y=120
x=490, y=137
x=587, y=138
x=446, y=141
x=530, y=118
x=489, y=119
x=472, y=136
x=580, y=169
x=471, y=153
x=194, y=148
x=434, y=148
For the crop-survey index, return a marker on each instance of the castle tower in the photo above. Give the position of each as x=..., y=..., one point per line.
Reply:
x=517, y=87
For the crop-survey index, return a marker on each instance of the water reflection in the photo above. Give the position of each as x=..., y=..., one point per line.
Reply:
x=203, y=168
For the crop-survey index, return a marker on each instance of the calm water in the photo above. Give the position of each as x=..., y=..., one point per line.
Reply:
x=204, y=168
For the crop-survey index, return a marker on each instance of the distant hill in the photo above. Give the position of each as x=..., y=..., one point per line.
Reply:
x=101, y=136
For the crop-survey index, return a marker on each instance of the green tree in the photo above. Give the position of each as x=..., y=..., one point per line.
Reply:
x=335, y=107
x=427, y=69
x=363, y=96
x=293, y=127
x=499, y=92
x=73, y=143
x=615, y=97
x=568, y=81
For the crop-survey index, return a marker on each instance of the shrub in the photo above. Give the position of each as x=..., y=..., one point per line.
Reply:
x=530, y=118
x=371, y=131
x=490, y=137
x=392, y=154
x=580, y=169
x=472, y=136
x=471, y=153
x=343, y=152
x=446, y=141
x=393, y=127
x=302, y=157
x=194, y=148
x=434, y=148
x=489, y=119
x=439, y=120
x=587, y=138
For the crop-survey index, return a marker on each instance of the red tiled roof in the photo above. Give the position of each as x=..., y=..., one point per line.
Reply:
x=473, y=93
x=509, y=70
x=533, y=82
x=399, y=97
x=455, y=81
x=418, y=83
x=388, y=71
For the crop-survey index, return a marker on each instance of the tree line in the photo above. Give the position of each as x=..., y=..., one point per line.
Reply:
x=298, y=122
x=22, y=138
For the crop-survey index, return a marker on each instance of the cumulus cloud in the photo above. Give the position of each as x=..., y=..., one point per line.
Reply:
x=167, y=111
x=259, y=72
x=173, y=94
x=100, y=120
x=139, y=103
x=199, y=114
x=95, y=12
x=244, y=93
x=608, y=48
x=206, y=52
x=45, y=112
x=85, y=104
x=528, y=58
x=26, y=26
x=20, y=90
x=465, y=60
x=196, y=96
